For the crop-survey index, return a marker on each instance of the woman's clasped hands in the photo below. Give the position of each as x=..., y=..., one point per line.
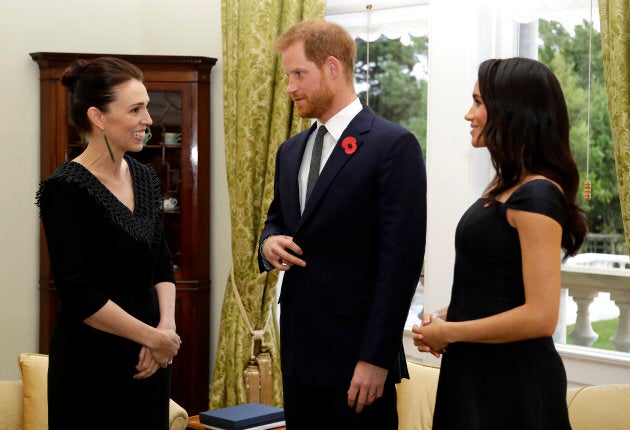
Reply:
x=160, y=354
x=431, y=335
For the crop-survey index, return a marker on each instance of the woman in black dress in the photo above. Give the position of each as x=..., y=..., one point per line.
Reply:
x=500, y=368
x=114, y=334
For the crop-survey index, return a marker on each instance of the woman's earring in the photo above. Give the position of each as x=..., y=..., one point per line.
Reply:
x=109, y=148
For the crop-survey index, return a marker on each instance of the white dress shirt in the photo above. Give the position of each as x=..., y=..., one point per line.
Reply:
x=335, y=126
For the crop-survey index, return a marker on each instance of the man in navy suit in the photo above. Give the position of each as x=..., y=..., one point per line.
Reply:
x=352, y=250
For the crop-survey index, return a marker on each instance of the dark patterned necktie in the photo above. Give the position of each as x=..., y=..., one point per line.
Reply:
x=316, y=158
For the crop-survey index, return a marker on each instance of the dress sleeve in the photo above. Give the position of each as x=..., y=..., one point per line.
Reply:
x=541, y=197
x=67, y=215
x=163, y=270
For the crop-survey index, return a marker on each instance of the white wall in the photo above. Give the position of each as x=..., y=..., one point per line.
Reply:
x=456, y=172
x=161, y=27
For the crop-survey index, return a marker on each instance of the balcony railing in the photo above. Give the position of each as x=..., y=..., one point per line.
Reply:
x=583, y=278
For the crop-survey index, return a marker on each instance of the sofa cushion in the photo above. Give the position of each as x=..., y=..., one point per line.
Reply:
x=34, y=369
x=416, y=397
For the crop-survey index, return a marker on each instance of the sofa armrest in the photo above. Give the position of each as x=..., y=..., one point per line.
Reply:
x=11, y=405
x=178, y=417
x=599, y=407
x=571, y=393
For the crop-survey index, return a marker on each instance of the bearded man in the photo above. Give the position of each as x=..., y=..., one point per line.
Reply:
x=347, y=225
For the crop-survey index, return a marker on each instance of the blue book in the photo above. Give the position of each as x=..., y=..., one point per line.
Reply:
x=245, y=416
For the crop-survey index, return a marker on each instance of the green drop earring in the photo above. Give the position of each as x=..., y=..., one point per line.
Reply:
x=109, y=148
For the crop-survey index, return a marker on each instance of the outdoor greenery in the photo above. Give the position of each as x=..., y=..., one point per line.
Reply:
x=398, y=86
x=567, y=55
x=397, y=90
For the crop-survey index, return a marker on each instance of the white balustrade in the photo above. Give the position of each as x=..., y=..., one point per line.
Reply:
x=621, y=339
x=583, y=333
x=583, y=283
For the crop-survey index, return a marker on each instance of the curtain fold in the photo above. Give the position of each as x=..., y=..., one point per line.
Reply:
x=258, y=116
x=615, y=33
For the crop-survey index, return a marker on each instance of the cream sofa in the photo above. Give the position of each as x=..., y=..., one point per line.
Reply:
x=590, y=408
x=24, y=406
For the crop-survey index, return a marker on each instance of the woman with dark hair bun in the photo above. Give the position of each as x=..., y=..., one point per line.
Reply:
x=114, y=335
x=500, y=368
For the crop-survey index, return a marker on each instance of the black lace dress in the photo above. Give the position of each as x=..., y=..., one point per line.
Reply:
x=509, y=386
x=99, y=251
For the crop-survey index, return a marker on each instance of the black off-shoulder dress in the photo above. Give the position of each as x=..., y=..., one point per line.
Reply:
x=518, y=385
x=99, y=251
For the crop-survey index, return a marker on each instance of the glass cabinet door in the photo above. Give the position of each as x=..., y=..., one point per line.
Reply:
x=163, y=150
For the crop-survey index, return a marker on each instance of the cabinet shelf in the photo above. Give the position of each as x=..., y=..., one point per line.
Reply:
x=179, y=88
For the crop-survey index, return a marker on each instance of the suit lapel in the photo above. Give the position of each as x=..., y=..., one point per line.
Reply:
x=348, y=145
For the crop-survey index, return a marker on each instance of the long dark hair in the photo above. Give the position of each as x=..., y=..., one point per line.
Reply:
x=527, y=131
x=93, y=84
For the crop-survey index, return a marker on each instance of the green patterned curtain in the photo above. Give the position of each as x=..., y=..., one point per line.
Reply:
x=615, y=26
x=258, y=117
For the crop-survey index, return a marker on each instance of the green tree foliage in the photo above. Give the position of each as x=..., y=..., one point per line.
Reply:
x=390, y=84
x=568, y=56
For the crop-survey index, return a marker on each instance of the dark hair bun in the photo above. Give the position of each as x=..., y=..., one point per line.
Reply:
x=72, y=74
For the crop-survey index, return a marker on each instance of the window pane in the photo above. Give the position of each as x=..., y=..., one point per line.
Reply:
x=392, y=79
x=563, y=44
x=391, y=73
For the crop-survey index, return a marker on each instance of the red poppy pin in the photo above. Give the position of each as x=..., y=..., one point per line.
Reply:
x=349, y=145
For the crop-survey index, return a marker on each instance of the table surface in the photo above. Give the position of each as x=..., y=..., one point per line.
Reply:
x=194, y=424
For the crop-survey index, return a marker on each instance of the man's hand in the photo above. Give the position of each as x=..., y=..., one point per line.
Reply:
x=275, y=250
x=366, y=386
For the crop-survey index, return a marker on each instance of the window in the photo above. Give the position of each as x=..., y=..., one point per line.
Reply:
x=590, y=314
x=392, y=79
x=462, y=35
x=391, y=70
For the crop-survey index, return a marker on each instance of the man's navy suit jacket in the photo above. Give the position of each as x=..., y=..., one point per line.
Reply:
x=363, y=234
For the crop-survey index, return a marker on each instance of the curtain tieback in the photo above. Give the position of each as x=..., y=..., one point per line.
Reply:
x=257, y=375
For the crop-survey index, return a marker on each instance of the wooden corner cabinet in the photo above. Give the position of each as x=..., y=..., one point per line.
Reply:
x=179, y=151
